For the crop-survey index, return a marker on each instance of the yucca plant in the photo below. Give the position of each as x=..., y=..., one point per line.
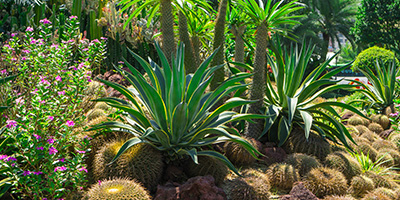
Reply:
x=383, y=88
x=291, y=103
x=180, y=122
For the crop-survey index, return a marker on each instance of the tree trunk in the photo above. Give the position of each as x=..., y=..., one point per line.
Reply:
x=196, y=50
x=190, y=63
x=325, y=48
x=167, y=29
x=219, y=39
x=257, y=89
x=239, y=44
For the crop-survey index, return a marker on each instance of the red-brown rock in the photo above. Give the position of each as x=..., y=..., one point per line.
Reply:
x=299, y=191
x=196, y=188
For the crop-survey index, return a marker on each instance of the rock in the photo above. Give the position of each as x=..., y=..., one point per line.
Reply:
x=116, y=78
x=175, y=174
x=108, y=74
x=274, y=155
x=385, y=134
x=346, y=115
x=199, y=187
x=299, y=191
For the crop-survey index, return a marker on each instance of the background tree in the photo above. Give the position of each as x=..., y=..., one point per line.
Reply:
x=378, y=23
x=327, y=19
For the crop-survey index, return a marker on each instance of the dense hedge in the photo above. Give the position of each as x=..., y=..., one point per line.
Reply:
x=368, y=57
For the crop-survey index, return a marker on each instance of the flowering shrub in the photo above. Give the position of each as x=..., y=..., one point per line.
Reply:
x=42, y=162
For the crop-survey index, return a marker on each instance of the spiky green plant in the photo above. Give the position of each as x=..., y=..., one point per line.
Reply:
x=291, y=101
x=181, y=121
x=368, y=165
x=267, y=17
x=383, y=89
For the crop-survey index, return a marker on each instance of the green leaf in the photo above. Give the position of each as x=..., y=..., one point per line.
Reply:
x=283, y=130
x=308, y=120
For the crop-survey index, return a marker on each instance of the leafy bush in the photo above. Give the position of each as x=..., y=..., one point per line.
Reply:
x=367, y=58
x=291, y=101
x=38, y=158
x=181, y=121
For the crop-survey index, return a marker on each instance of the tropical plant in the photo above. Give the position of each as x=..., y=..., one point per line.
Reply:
x=383, y=87
x=368, y=57
x=3, y=81
x=267, y=17
x=377, y=166
x=180, y=121
x=291, y=103
x=329, y=18
x=377, y=23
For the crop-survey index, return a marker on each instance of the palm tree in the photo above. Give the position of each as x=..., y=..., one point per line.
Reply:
x=267, y=17
x=328, y=18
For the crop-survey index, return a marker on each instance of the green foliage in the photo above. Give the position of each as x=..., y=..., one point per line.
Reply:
x=290, y=102
x=324, y=181
x=348, y=54
x=3, y=81
x=367, y=165
x=181, y=121
x=367, y=59
x=383, y=89
x=377, y=22
x=117, y=189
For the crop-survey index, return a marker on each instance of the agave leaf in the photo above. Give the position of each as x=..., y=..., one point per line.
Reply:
x=179, y=121
x=128, y=144
x=283, y=130
x=308, y=120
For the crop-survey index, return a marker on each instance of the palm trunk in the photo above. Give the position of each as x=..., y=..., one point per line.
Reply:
x=239, y=44
x=196, y=50
x=219, y=39
x=190, y=64
x=257, y=89
x=167, y=29
x=325, y=47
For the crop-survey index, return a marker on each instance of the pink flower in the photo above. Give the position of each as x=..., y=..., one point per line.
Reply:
x=13, y=34
x=45, y=21
x=61, y=92
x=37, y=137
x=23, y=58
x=20, y=101
x=40, y=148
x=25, y=51
x=37, y=173
x=4, y=71
x=62, y=168
x=52, y=150
x=103, y=38
x=26, y=173
x=42, y=101
x=394, y=114
x=58, y=78
x=70, y=123
x=50, y=118
x=2, y=157
x=120, y=62
x=14, y=59
x=99, y=181
x=73, y=17
x=34, y=92
x=29, y=29
x=51, y=140
x=11, y=123
x=33, y=41
x=61, y=159
x=83, y=169
x=81, y=151
x=44, y=81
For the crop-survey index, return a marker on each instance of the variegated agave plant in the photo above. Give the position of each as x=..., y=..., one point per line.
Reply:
x=180, y=121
